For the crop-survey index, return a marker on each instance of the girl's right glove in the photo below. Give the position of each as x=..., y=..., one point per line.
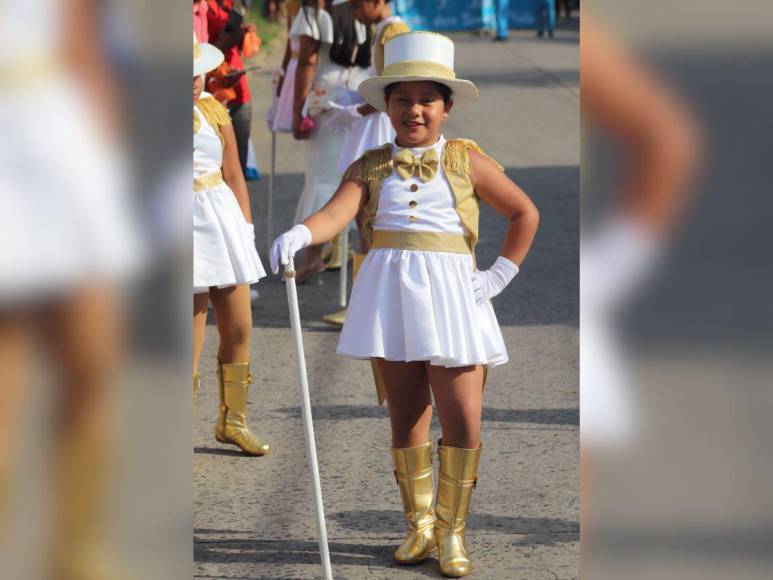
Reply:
x=489, y=283
x=286, y=245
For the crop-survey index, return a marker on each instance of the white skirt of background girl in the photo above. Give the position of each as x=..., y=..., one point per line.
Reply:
x=280, y=115
x=224, y=252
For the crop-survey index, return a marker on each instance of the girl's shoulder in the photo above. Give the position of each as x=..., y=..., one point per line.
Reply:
x=392, y=28
x=313, y=22
x=456, y=156
x=215, y=113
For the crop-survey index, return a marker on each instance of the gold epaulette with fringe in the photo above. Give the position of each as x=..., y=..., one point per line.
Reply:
x=374, y=164
x=215, y=113
x=456, y=158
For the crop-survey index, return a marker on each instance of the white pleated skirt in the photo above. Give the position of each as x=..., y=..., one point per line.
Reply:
x=224, y=252
x=369, y=132
x=409, y=305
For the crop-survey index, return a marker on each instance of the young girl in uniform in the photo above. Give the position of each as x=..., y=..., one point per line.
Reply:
x=420, y=310
x=332, y=62
x=370, y=128
x=225, y=261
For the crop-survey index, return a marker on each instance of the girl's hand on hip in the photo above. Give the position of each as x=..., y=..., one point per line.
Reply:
x=489, y=283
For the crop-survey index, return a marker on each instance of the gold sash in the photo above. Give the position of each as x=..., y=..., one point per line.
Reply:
x=209, y=181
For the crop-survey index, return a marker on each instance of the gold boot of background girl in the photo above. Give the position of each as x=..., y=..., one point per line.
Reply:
x=233, y=383
x=338, y=318
x=413, y=471
x=458, y=475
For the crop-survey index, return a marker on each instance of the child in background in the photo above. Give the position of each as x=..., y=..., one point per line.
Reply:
x=370, y=128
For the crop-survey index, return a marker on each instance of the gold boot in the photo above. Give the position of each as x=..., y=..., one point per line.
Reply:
x=413, y=471
x=458, y=474
x=233, y=381
x=338, y=318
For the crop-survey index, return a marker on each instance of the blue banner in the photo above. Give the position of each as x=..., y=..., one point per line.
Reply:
x=446, y=15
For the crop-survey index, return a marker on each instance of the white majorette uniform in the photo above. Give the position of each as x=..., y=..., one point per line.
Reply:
x=332, y=82
x=280, y=116
x=412, y=305
x=224, y=252
x=376, y=129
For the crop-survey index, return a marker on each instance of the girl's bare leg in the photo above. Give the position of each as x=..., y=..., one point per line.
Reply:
x=409, y=402
x=233, y=313
x=459, y=400
x=200, y=306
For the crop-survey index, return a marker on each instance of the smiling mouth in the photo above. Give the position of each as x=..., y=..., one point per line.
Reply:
x=413, y=124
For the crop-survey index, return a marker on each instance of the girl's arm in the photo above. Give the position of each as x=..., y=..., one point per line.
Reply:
x=304, y=79
x=232, y=171
x=497, y=190
x=338, y=212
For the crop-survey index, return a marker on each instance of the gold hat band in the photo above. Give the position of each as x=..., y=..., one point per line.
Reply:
x=419, y=68
x=196, y=50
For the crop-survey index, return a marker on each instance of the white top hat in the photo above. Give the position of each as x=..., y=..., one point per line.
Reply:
x=418, y=56
x=206, y=57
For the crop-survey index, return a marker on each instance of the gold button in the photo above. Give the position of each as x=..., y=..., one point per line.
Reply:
x=414, y=187
x=412, y=218
x=412, y=203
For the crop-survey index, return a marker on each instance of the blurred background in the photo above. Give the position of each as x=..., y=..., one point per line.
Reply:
x=676, y=322
x=95, y=165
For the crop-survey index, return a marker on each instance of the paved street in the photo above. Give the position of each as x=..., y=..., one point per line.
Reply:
x=254, y=516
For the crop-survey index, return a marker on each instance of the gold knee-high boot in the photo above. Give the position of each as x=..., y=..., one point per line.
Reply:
x=233, y=382
x=458, y=474
x=338, y=318
x=413, y=471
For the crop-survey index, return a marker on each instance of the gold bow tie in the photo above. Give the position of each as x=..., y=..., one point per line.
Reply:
x=424, y=167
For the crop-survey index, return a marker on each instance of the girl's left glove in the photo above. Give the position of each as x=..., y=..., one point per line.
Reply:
x=285, y=246
x=489, y=283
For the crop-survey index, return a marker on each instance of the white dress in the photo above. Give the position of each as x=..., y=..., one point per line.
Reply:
x=68, y=216
x=332, y=82
x=224, y=252
x=280, y=115
x=410, y=305
x=372, y=130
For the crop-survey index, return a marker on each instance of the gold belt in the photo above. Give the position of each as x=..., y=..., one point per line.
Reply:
x=208, y=181
x=422, y=241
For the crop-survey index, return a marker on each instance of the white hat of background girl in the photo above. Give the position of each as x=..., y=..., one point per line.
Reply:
x=205, y=57
x=418, y=56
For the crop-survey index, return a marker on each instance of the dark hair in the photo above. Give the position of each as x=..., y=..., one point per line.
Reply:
x=344, y=51
x=445, y=91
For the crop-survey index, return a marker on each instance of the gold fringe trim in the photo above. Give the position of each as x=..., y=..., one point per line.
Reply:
x=456, y=159
x=215, y=113
x=374, y=164
x=196, y=123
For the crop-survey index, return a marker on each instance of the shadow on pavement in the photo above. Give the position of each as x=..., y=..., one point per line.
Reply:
x=288, y=552
x=536, y=531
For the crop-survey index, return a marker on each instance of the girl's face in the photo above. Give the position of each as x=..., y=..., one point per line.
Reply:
x=198, y=86
x=417, y=112
x=367, y=11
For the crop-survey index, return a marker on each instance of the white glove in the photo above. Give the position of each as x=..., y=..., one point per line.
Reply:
x=285, y=246
x=489, y=283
